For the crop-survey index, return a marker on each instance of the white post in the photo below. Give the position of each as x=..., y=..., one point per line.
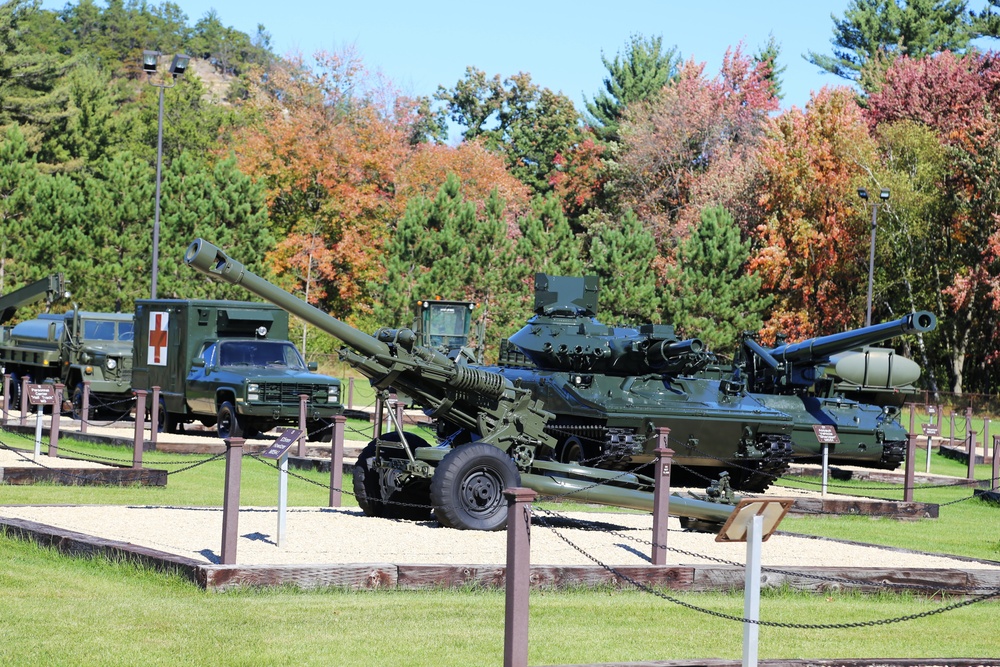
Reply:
x=751, y=590
x=38, y=433
x=282, y=495
x=826, y=466
x=930, y=441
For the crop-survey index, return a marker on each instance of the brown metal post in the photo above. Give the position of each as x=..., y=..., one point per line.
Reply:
x=661, y=495
x=140, y=427
x=337, y=459
x=399, y=413
x=303, y=402
x=951, y=431
x=54, y=425
x=154, y=416
x=85, y=408
x=913, y=415
x=518, y=575
x=231, y=500
x=996, y=464
x=350, y=393
x=24, y=401
x=911, y=463
x=6, y=397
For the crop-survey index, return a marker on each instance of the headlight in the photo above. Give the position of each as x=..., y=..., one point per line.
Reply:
x=253, y=392
x=333, y=393
x=111, y=363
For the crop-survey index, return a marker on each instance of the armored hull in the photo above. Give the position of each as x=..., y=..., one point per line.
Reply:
x=611, y=422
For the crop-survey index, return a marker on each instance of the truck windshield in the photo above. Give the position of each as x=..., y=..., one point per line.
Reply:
x=98, y=330
x=266, y=354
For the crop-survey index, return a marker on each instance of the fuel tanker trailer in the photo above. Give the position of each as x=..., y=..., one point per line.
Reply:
x=497, y=436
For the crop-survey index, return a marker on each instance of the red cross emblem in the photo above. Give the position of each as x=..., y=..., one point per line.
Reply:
x=157, y=354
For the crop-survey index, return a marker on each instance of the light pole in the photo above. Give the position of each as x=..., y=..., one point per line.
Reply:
x=883, y=196
x=177, y=67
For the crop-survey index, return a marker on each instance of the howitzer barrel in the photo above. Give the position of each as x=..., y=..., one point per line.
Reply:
x=212, y=261
x=820, y=349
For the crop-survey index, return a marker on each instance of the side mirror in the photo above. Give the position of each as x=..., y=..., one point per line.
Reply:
x=197, y=362
x=313, y=366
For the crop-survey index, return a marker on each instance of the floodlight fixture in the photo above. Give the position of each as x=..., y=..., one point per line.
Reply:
x=149, y=59
x=179, y=65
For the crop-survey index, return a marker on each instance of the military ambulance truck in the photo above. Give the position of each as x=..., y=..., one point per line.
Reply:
x=228, y=364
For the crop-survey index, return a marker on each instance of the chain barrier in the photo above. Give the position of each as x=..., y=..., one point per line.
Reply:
x=775, y=624
x=60, y=471
x=584, y=524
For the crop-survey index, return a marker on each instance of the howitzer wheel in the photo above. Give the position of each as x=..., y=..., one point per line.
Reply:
x=468, y=485
x=383, y=493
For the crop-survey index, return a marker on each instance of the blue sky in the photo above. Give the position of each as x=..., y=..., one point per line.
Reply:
x=420, y=46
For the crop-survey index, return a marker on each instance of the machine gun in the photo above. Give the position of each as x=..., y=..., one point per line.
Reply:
x=402, y=476
x=797, y=367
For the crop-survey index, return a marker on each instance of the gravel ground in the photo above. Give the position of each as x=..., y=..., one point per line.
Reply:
x=329, y=535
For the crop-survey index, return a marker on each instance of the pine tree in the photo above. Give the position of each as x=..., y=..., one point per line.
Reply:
x=623, y=257
x=639, y=74
x=707, y=295
x=882, y=29
x=547, y=243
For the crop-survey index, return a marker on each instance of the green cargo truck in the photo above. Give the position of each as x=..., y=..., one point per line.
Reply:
x=228, y=364
x=72, y=348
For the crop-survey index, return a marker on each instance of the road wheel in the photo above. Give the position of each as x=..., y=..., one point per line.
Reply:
x=572, y=451
x=77, y=402
x=229, y=423
x=468, y=485
x=168, y=421
x=387, y=493
x=14, y=402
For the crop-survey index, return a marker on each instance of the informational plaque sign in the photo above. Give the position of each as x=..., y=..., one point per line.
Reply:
x=826, y=434
x=281, y=446
x=41, y=394
x=930, y=429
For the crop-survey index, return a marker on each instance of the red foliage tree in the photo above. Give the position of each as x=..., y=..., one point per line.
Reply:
x=813, y=242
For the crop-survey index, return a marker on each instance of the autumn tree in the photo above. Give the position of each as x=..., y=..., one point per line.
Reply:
x=708, y=293
x=328, y=142
x=811, y=244
x=692, y=146
x=956, y=97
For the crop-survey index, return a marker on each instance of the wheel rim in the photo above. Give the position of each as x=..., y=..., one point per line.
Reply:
x=482, y=492
x=225, y=426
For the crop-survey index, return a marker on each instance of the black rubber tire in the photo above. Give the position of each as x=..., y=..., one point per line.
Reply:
x=320, y=430
x=468, y=485
x=229, y=423
x=373, y=496
x=168, y=421
x=14, y=402
x=77, y=401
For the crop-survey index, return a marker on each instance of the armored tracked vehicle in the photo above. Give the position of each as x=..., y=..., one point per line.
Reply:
x=611, y=387
x=497, y=430
x=808, y=380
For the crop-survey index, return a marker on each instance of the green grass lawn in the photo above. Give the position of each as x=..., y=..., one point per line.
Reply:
x=61, y=610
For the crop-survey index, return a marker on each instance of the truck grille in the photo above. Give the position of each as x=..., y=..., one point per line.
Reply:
x=287, y=393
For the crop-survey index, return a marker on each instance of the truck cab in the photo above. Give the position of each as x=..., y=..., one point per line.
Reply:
x=228, y=364
x=446, y=326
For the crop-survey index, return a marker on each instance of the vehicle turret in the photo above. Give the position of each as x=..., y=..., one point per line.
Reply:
x=795, y=366
x=564, y=335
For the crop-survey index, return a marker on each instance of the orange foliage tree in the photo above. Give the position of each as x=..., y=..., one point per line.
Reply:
x=814, y=240
x=328, y=140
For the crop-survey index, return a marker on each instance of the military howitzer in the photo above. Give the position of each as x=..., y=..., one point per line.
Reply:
x=497, y=429
x=807, y=381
